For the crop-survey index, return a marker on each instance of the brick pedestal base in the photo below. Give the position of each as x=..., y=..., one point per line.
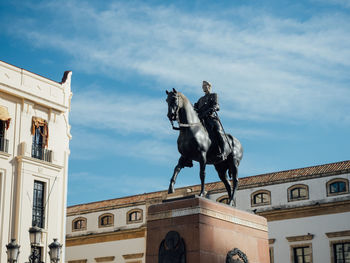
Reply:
x=209, y=230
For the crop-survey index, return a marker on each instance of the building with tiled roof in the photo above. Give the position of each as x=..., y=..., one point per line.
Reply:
x=308, y=213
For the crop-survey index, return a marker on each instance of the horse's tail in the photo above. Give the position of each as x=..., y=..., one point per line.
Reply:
x=237, y=149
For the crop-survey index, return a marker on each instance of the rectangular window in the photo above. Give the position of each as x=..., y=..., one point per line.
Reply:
x=341, y=252
x=3, y=141
x=37, y=149
x=302, y=254
x=2, y=128
x=38, y=204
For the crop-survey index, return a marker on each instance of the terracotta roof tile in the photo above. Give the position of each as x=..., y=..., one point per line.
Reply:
x=245, y=182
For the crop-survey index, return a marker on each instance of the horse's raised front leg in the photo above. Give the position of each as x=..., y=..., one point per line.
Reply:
x=177, y=169
x=202, y=164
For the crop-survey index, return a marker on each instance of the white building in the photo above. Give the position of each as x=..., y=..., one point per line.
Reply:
x=308, y=213
x=34, y=151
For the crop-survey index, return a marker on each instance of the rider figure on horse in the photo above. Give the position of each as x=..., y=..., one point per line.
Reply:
x=206, y=107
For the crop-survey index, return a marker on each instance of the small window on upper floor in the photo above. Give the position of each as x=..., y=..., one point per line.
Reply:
x=79, y=224
x=261, y=197
x=134, y=216
x=298, y=192
x=223, y=199
x=40, y=132
x=4, y=125
x=2, y=136
x=106, y=220
x=337, y=186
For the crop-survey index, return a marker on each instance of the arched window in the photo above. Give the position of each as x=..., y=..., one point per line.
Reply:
x=106, y=220
x=261, y=197
x=79, y=224
x=134, y=216
x=298, y=192
x=337, y=186
x=223, y=199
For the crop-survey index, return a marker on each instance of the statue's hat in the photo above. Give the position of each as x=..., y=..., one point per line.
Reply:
x=206, y=82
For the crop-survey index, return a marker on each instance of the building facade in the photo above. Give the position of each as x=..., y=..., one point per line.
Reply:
x=308, y=213
x=34, y=151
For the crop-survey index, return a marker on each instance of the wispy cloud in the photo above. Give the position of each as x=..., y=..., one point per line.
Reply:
x=124, y=114
x=92, y=145
x=267, y=67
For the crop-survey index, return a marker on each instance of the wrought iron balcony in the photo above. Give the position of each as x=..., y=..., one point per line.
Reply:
x=41, y=153
x=4, y=145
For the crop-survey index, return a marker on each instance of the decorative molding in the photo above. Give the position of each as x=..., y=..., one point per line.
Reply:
x=207, y=212
x=300, y=238
x=271, y=241
x=105, y=237
x=306, y=211
x=133, y=256
x=78, y=261
x=105, y=259
x=35, y=161
x=238, y=255
x=4, y=155
x=338, y=234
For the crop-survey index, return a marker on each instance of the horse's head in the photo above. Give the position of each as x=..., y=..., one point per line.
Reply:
x=173, y=104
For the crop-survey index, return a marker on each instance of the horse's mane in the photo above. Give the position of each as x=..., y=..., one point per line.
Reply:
x=183, y=97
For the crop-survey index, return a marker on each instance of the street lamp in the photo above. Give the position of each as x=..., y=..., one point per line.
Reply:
x=55, y=251
x=12, y=251
x=35, y=233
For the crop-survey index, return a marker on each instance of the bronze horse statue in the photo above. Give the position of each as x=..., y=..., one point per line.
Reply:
x=194, y=144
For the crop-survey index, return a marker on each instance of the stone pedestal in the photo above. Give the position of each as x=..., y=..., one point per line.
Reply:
x=209, y=230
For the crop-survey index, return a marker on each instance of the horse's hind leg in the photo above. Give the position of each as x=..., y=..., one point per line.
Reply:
x=221, y=168
x=181, y=164
x=202, y=164
x=233, y=172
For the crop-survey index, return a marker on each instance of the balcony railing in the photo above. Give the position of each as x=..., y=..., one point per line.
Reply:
x=41, y=153
x=4, y=145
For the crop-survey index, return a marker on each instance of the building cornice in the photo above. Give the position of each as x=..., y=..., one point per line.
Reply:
x=105, y=237
x=51, y=166
x=306, y=211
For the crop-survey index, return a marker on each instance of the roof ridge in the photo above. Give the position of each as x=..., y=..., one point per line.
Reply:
x=144, y=195
x=290, y=170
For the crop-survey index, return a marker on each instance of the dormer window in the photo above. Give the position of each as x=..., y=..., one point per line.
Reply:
x=337, y=186
x=134, y=216
x=106, y=220
x=223, y=199
x=298, y=192
x=79, y=224
x=261, y=197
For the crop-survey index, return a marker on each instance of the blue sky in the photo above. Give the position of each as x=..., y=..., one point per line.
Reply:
x=280, y=68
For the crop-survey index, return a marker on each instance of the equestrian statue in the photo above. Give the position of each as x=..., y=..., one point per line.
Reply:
x=202, y=138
